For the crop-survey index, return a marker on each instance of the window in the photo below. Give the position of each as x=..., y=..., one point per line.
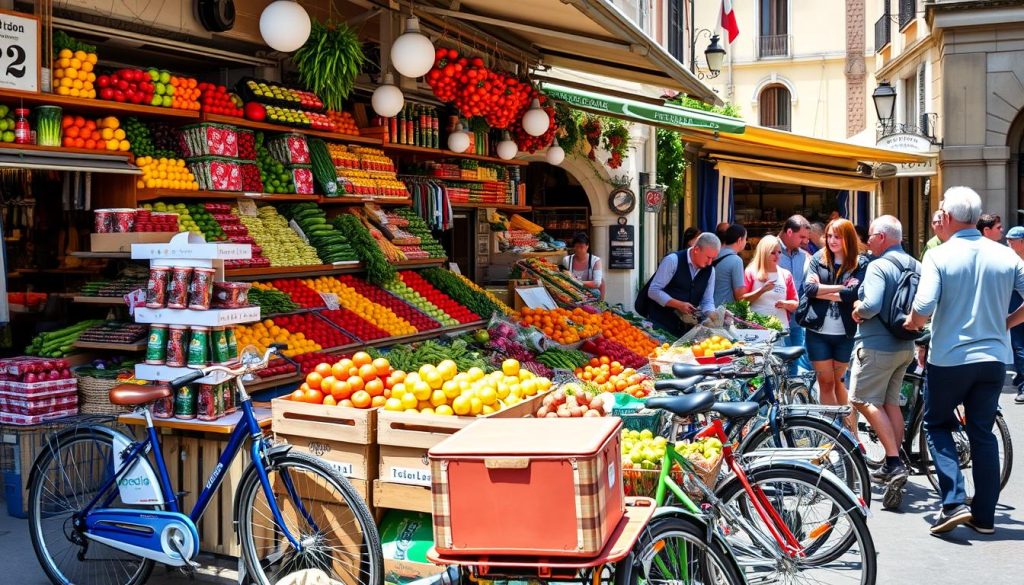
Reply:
x=676, y=29
x=773, y=39
x=774, y=105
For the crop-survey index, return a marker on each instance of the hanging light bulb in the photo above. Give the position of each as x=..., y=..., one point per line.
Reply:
x=555, y=154
x=536, y=121
x=458, y=140
x=284, y=25
x=507, y=148
x=412, y=54
x=387, y=99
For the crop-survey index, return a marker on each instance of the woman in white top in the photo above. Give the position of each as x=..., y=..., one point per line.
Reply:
x=583, y=265
x=770, y=288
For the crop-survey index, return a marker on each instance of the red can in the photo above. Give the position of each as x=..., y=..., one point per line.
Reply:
x=124, y=220
x=177, y=287
x=103, y=221
x=200, y=289
x=206, y=402
x=177, y=346
x=156, y=288
x=230, y=404
x=163, y=408
x=231, y=295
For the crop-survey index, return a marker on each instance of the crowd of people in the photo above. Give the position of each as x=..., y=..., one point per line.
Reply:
x=866, y=312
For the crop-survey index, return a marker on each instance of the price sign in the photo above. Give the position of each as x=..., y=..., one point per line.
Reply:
x=247, y=208
x=135, y=299
x=19, y=51
x=331, y=301
x=654, y=199
x=622, y=246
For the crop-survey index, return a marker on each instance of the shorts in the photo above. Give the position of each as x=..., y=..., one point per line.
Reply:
x=877, y=376
x=822, y=348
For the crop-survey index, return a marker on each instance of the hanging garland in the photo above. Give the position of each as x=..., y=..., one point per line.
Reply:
x=616, y=141
x=330, y=61
x=591, y=128
x=671, y=164
x=568, y=121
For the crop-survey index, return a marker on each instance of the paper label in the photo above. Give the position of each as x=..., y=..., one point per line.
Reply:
x=454, y=267
x=410, y=476
x=247, y=208
x=331, y=300
x=295, y=227
x=345, y=469
x=136, y=298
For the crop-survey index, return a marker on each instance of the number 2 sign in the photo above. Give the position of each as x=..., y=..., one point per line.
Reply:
x=19, y=51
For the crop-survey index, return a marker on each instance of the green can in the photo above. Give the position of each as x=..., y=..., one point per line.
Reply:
x=232, y=343
x=219, y=350
x=156, y=347
x=185, y=402
x=199, y=347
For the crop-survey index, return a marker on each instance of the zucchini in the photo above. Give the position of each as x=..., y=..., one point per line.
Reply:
x=323, y=166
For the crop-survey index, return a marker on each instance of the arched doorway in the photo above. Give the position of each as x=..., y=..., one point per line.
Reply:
x=1014, y=171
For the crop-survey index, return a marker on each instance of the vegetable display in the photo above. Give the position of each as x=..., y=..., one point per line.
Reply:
x=460, y=289
x=741, y=311
x=330, y=61
x=271, y=301
x=568, y=359
x=58, y=343
x=410, y=358
x=323, y=167
x=330, y=242
x=48, y=126
x=378, y=269
x=615, y=351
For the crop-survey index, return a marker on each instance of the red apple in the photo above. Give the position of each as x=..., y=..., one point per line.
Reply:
x=255, y=111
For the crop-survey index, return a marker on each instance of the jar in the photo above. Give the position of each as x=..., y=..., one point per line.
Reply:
x=22, y=130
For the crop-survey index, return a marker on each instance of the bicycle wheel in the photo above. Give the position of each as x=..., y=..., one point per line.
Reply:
x=963, y=450
x=845, y=459
x=65, y=478
x=321, y=510
x=797, y=393
x=673, y=550
x=826, y=521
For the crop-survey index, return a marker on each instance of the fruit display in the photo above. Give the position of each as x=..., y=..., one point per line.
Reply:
x=566, y=359
x=624, y=332
x=437, y=298
x=130, y=86
x=615, y=351
x=273, y=174
x=296, y=290
x=262, y=334
x=32, y=370
x=330, y=243
x=141, y=138
x=115, y=332
x=465, y=292
x=323, y=167
x=344, y=123
x=441, y=389
x=280, y=367
x=315, y=328
x=417, y=227
x=413, y=357
x=268, y=92
x=562, y=325
x=59, y=342
x=103, y=134
x=356, y=382
x=246, y=144
x=288, y=149
x=270, y=300
x=574, y=401
x=75, y=61
x=565, y=289
x=277, y=241
x=611, y=376
x=709, y=346
x=418, y=320
x=163, y=173
x=6, y=124
x=351, y=322
x=308, y=361
x=382, y=316
x=183, y=91
x=642, y=450
x=476, y=90
x=506, y=340
x=299, y=118
x=215, y=99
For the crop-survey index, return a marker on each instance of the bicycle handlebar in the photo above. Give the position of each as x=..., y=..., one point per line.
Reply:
x=233, y=372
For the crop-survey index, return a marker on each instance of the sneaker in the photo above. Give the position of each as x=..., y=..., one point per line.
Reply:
x=885, y=474
x=947, y=521
x=1019, y=399
x=979, y=529
x=893, y=496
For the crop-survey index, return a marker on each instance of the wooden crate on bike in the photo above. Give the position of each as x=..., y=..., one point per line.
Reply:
x=567, y=470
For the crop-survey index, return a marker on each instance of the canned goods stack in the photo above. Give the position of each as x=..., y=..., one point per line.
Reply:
x=185, y=287
x=195, y=347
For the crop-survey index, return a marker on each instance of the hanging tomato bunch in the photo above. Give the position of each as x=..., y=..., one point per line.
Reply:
x=477, y=90
x=592, y=132
x=616, y=142
x=529, y=143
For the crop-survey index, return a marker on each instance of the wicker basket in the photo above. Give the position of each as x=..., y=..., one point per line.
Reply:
x=644, y=482
x=94, y=392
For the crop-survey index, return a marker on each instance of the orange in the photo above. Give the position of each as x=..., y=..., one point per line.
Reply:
x=382, y=366
x=314, y=396
x=327, y=385
x=314, y=379
x=367, y=372
x=361, y=399
x=298, y=396
x=339, y=371
x=330, y=401
x=356, y=383
x=378, y=401
x=375, y=387
x=347, y=403
x=341, y=390
x=361, y=358
x=323, y=369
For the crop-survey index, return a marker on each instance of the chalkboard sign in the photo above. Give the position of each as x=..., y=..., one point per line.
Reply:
x=621, y=246
x=19, y=51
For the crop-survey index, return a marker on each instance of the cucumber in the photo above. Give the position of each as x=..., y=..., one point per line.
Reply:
x=323, y=166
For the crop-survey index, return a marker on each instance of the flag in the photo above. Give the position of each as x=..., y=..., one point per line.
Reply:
x=729, y=20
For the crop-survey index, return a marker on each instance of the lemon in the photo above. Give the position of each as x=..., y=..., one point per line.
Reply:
x=393, y=404
x=488, y=396
x=444, y=410
x=409, y=401
x=438, y=397
x=422, y=390
x=462, y=406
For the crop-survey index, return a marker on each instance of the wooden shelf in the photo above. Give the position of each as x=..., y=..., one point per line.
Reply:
x=94, y=105
x=499, y=206
x=224, y=425
x=318, y=269
x=273, y=382
x=433, y=178
x=152, y=194
x=102, y=255
x=246, y=123
x=85, y=152
x=439, y=153
x=108, y=301
x=138, y=346
x=345, y=200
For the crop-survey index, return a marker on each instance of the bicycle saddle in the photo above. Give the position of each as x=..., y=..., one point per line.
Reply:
x=133, y=394
x=788, y=354
x=736, y=409
x=684, y=405
x=687, y=370
x=682, y=385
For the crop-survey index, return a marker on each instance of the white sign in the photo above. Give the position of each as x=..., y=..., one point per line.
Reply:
x=536, y=297
x=247, y=208
x=330, y=300
x=919, y=169
x=905, y=143
x=410, y=476
x=19, y=51
x=298, y=231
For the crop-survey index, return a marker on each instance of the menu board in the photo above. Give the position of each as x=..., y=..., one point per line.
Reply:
x=621, y=247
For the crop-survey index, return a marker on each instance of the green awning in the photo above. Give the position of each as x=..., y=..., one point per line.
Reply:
x=666, y=116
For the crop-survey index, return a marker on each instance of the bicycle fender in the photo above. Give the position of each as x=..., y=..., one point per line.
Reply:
x=702, y=525
x=275, y=451
x=824, y=474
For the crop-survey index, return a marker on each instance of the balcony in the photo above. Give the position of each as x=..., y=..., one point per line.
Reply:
x=908, y=11
x=773, y=46
x=883, y=32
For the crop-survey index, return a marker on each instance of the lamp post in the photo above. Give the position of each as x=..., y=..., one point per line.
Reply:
x=714, y=53
x=884, y=97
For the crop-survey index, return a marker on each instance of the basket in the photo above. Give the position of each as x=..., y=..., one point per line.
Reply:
x=706, y=472
x=94, y=393
x=644, y=482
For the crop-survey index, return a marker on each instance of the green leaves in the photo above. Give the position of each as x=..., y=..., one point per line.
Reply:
x=671, y=164
x=330, y=61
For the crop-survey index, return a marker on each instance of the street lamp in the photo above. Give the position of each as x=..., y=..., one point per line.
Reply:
x=884, y=97
x=714, y=54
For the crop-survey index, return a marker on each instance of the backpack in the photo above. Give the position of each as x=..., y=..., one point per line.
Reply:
x=642, y=305
x=902, y=302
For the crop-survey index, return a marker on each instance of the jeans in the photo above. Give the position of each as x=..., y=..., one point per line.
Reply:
x=796, y=338
x=1017, y=342
x=977, y=387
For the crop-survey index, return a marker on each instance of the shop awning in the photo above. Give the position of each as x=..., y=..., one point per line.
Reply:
x=666, y=116
x=791, y=176
x=593, y=36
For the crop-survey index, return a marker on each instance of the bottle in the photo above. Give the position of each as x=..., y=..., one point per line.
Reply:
x=417, y=125
x=409, y=126
x=401, y=125
x=22, y=130
x=392, y=129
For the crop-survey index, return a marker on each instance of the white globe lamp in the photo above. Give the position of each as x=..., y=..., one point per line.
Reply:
x=555, y=154
x=284, y=26
x=387, y=99
x=458, y=140
x=412, y=54
x=536, y=121
x=507, y=148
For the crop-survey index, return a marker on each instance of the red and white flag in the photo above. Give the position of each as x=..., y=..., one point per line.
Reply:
x=729, y=20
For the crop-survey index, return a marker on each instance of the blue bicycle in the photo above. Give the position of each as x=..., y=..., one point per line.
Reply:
x=102, y=508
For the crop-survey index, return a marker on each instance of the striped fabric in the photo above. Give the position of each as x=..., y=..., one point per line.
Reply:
x=439, y=495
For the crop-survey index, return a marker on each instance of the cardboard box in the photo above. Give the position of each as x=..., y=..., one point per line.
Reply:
x=208, y=318
x=122, y=242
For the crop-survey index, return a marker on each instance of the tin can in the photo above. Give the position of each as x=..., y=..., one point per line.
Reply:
x=231, y=295
x=230, y=402
x=185, y=402
x=206, y=402
x=200, y=289
x=199, y=347
x=103, y=221
x=177, y=287
x=219, y=345
x=176, y=355
x=163, y=408
x=124, y=221
x=218, y=398
x=156, y=347
x=156, y=288
x=232, y=343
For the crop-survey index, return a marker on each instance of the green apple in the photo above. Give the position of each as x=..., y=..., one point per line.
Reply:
x=154, y=75
x=170, y=90
x=165, y=77
x=159, y=88
x=8, y=136
x=166, y=101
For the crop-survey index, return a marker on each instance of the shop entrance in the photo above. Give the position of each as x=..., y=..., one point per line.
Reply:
x=560, y=203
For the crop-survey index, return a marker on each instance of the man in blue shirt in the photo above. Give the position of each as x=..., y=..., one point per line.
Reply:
x=1015, y=239
x=729, y=266
x=795, y=259
x=684, y=283
x=965, y=290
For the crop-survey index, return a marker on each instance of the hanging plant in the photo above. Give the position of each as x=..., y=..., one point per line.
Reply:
x=591, y=128
x=330, y=61
x=616, y=142
x=568, y=121
x=671, y=164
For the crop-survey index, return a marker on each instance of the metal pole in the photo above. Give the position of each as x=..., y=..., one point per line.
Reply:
x=693, y=39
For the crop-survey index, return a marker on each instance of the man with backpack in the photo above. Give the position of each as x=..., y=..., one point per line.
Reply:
x=683, y=285
x=883, y=348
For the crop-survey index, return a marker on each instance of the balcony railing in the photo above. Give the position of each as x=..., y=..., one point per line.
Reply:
x=883, y=32
x=908, y=11
x=924, y=127
x=773, y=46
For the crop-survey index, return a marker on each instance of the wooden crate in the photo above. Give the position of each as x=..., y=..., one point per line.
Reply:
x=345, y=438
x=396, y=496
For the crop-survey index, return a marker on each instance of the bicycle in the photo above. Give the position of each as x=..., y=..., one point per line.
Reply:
x=101, y=511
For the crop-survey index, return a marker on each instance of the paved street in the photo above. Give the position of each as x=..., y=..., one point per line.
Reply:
x=907, y=552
